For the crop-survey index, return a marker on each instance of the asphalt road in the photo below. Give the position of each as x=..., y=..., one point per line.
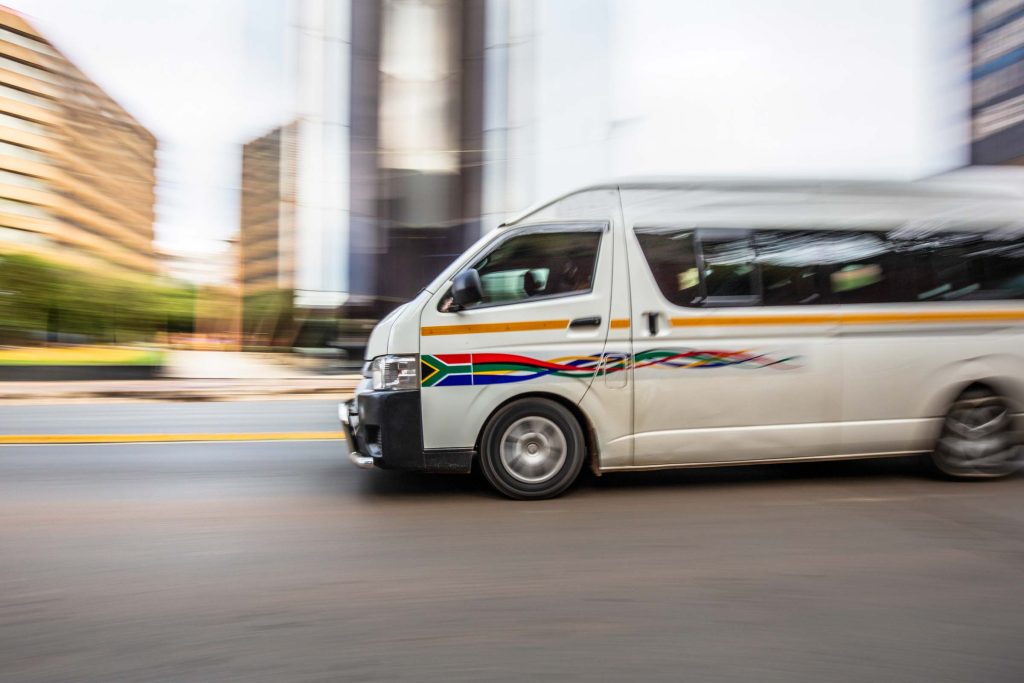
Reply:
x=281, y=562
x=296, y=415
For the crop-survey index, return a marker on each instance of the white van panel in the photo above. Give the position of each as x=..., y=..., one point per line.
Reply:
x=458, y=399
x=840, y=387
x=900, y=378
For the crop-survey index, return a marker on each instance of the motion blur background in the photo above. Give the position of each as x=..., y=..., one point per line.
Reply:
x=277, y=175
x=198, y=191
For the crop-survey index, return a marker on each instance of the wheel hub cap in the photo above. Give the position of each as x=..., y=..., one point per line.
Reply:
x=533, y=449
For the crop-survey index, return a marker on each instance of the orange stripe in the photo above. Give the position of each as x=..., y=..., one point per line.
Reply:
x=708, y=321
x=868, y=318
x=484, y=328
x=932, y=317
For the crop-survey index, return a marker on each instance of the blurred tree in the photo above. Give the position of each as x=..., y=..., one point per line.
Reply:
x=268, y=318
x=44, y=300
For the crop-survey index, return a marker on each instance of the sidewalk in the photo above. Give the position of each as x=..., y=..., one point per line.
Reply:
x=194, y=376
x=229, y=365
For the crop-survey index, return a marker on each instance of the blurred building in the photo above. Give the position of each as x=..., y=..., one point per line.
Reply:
x=388, y=141
x=417, y=135
x=213, y=276
x=997, y=82
x=266, y=235
x=201, y=267
x=77, y=172
x=423, y=123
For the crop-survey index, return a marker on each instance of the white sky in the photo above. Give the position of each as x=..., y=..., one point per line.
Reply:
x=819, y=87
x=872, y=87
x=812, y=88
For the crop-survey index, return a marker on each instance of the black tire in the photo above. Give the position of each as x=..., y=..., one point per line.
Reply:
x=519, y=449
x=977, y=440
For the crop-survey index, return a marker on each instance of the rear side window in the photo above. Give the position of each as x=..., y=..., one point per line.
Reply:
x=790, y=263
x=892, y=268
x=717, y=267
x=546, y=263
x=968, y=266
x=866, y=268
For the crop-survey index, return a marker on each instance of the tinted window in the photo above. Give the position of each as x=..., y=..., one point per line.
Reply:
x=866, y=268
x=792, y=267
x=953, y=266
x=790, y=264
x=672, y=258
x=729, y=269
x=537, y=264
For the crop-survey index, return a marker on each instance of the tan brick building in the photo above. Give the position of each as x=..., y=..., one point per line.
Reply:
x=77, y=172
x=266, y=235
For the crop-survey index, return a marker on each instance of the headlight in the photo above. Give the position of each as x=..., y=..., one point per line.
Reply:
x=395, y=373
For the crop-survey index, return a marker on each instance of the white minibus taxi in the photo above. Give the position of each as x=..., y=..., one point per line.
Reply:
x=643, y=325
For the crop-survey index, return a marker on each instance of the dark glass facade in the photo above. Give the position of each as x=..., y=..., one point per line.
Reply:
x=997, y=82
x=416, y=141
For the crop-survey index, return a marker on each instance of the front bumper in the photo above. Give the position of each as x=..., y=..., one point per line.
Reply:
x=384, y=429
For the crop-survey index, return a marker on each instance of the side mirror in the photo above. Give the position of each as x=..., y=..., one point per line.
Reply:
x=467, y=289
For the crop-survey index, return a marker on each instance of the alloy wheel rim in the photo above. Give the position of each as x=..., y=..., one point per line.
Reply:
x=533, y=449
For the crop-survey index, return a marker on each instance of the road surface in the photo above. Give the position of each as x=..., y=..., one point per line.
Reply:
x=279, y=561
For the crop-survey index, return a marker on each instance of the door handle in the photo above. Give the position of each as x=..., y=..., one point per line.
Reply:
x=592, y=321
x=652, y=322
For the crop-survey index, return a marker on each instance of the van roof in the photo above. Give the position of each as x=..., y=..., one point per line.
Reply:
x=944, y=188
x=937, y=185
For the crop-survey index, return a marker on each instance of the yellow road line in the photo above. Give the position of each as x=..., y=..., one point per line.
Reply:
x=12, y=439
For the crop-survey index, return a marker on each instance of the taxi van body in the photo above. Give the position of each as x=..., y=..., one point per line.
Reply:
x=660, y=324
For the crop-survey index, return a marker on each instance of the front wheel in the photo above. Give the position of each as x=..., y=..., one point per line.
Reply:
x=532, y=448
x=977, y=440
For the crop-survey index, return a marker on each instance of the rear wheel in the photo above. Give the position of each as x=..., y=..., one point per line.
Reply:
x=977, y=440
x=532, y=448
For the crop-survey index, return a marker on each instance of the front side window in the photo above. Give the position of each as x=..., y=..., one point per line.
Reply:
x=672, y=257
x=702, y=268
x=546, y=263
x=730, y=270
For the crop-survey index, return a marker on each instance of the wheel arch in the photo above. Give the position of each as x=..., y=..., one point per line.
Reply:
x=589, y=433
x=945, y=393
x=1001, y=375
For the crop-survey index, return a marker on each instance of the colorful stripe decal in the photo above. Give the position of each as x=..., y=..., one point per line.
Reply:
x=460, y=369
x=697, y=320
x=691, y=359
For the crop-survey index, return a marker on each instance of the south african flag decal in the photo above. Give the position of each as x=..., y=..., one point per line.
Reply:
x=464, y=369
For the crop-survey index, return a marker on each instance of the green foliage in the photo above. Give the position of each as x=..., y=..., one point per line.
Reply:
x=267, y=316
x=41, y=298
